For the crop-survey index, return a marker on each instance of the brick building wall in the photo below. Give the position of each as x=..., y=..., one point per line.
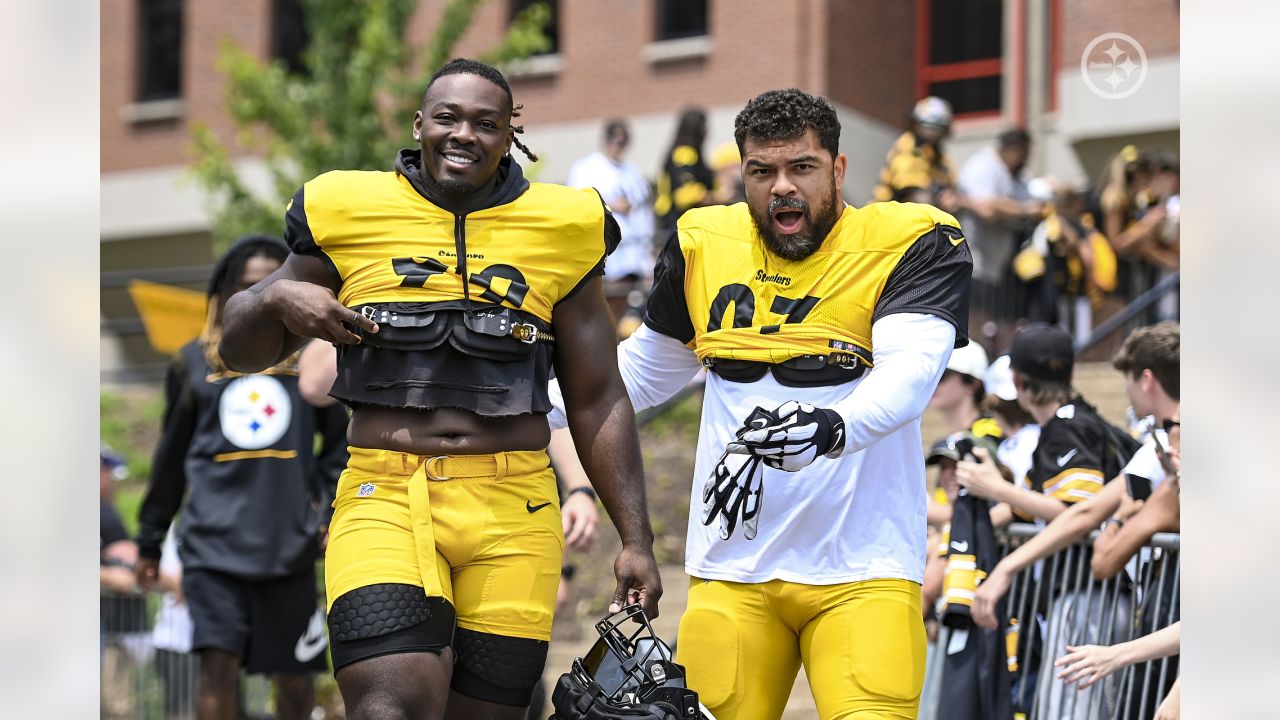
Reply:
x=871, y=51
x=820, y=45
x=130, y=144
x=1153, y=23
x=756, y=44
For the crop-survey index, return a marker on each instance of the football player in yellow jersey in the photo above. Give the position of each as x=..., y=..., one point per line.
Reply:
x=825, y=329
x=452, y=287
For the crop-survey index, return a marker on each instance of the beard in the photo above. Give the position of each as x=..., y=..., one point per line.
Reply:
x=803, y=243
x=453, y=186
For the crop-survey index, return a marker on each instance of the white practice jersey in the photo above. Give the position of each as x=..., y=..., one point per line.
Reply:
x=857, y=517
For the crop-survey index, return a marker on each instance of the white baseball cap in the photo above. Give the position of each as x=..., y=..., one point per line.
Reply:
x=969, y=360
x=999, y=379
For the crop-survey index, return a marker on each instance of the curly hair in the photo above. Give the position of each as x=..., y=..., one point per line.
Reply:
x=467, y=66
x=786, y=114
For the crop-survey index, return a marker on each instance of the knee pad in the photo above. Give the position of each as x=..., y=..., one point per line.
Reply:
x=386, y=619
x=497, y=668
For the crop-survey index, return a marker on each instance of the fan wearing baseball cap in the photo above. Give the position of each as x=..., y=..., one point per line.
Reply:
x=1077, y=453
x=1071, y=461
x=959, y=394
x=958, y=399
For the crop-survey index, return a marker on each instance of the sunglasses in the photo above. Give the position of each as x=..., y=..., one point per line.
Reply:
x=1169, y=424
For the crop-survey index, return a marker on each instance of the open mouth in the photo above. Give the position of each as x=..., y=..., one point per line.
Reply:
x=788, y=220
x=458, y=160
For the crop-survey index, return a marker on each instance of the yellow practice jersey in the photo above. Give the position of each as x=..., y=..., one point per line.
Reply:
x=721, y=292
x=388, y=243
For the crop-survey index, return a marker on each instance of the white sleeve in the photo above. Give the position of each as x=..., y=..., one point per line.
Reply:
x=653, y=367
x=978, y=179
x=910, y=352
x=1146, y=464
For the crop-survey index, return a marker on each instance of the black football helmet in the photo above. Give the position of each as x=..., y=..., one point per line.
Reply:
x=626, y=675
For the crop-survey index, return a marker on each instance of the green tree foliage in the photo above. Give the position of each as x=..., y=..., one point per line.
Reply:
x=351, y=108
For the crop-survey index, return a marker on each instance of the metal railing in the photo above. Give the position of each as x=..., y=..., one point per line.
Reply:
x=1133, y=313
x=997, y=311
x=1056, y=603
x=144, y=678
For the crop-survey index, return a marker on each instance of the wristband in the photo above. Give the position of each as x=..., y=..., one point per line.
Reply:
x=585, y=490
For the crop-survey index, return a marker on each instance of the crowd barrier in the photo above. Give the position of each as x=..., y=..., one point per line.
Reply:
x=143, y=678
x=1057, y=602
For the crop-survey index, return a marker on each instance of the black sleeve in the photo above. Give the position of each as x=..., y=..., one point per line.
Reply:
x=612, y=238
x=932, y=278
x=168, y=482
x=331, y=423
x=110, y=527
x=612, y=231
x=667, y=311
x=297, y=232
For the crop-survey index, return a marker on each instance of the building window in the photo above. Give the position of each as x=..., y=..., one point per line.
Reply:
x=289, y=34
x=160, y=50
x=960, y=46
x=551, y=29
x=682, y=19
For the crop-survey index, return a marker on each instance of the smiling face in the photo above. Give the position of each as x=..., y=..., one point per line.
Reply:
x=465, y=129
x=792, y=190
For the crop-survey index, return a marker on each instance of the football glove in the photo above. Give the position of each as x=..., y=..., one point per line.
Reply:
x=732, y=493
x=791, y=436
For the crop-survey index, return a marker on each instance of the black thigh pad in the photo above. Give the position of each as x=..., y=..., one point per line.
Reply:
x=385, y=619
x=497, y=668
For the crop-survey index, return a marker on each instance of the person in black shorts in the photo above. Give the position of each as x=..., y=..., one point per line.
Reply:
x=239, y=448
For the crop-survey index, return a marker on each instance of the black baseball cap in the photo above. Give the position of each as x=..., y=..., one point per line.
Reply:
x=1043, y=352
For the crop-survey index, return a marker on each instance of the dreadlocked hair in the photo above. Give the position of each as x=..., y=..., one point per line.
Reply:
x=226, y=275
x=787, y=114
x=467, y=66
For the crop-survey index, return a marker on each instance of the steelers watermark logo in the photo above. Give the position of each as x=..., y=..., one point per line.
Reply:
x=254, y=411
x=1114, y=66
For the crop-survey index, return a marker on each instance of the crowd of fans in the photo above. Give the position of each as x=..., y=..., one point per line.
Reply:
x=1061, y=466
x=1021, y=444
x=1045, y=250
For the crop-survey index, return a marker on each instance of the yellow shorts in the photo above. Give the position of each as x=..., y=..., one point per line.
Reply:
x=488, y=538
x=862, y=645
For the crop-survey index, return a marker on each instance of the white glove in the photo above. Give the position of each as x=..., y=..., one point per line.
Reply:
x=791, y=436
x=734, y=493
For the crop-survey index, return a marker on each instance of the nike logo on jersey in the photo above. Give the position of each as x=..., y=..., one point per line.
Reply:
x=1062, y=460
x=534, y=508
x=960, y=546
x=313, y=641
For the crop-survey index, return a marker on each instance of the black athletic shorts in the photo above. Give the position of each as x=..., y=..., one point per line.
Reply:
x=274, y=625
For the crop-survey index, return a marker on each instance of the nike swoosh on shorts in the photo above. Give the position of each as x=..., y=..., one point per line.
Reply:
x=313, y=640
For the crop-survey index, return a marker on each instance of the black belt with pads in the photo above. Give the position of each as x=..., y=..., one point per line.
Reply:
x=802, y=371
x=488, y=359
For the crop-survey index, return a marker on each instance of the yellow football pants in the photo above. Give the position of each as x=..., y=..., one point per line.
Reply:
x=862, y=645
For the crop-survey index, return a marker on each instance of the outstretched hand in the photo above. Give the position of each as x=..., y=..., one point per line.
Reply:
x=579, y=516
x=638, y=581
x=986, y=597
x=1087, y=664
x=309, y=310
x=148, y=573
x=982, y=478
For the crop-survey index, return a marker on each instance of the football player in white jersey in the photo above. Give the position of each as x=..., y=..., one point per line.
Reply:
x=825, y=329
